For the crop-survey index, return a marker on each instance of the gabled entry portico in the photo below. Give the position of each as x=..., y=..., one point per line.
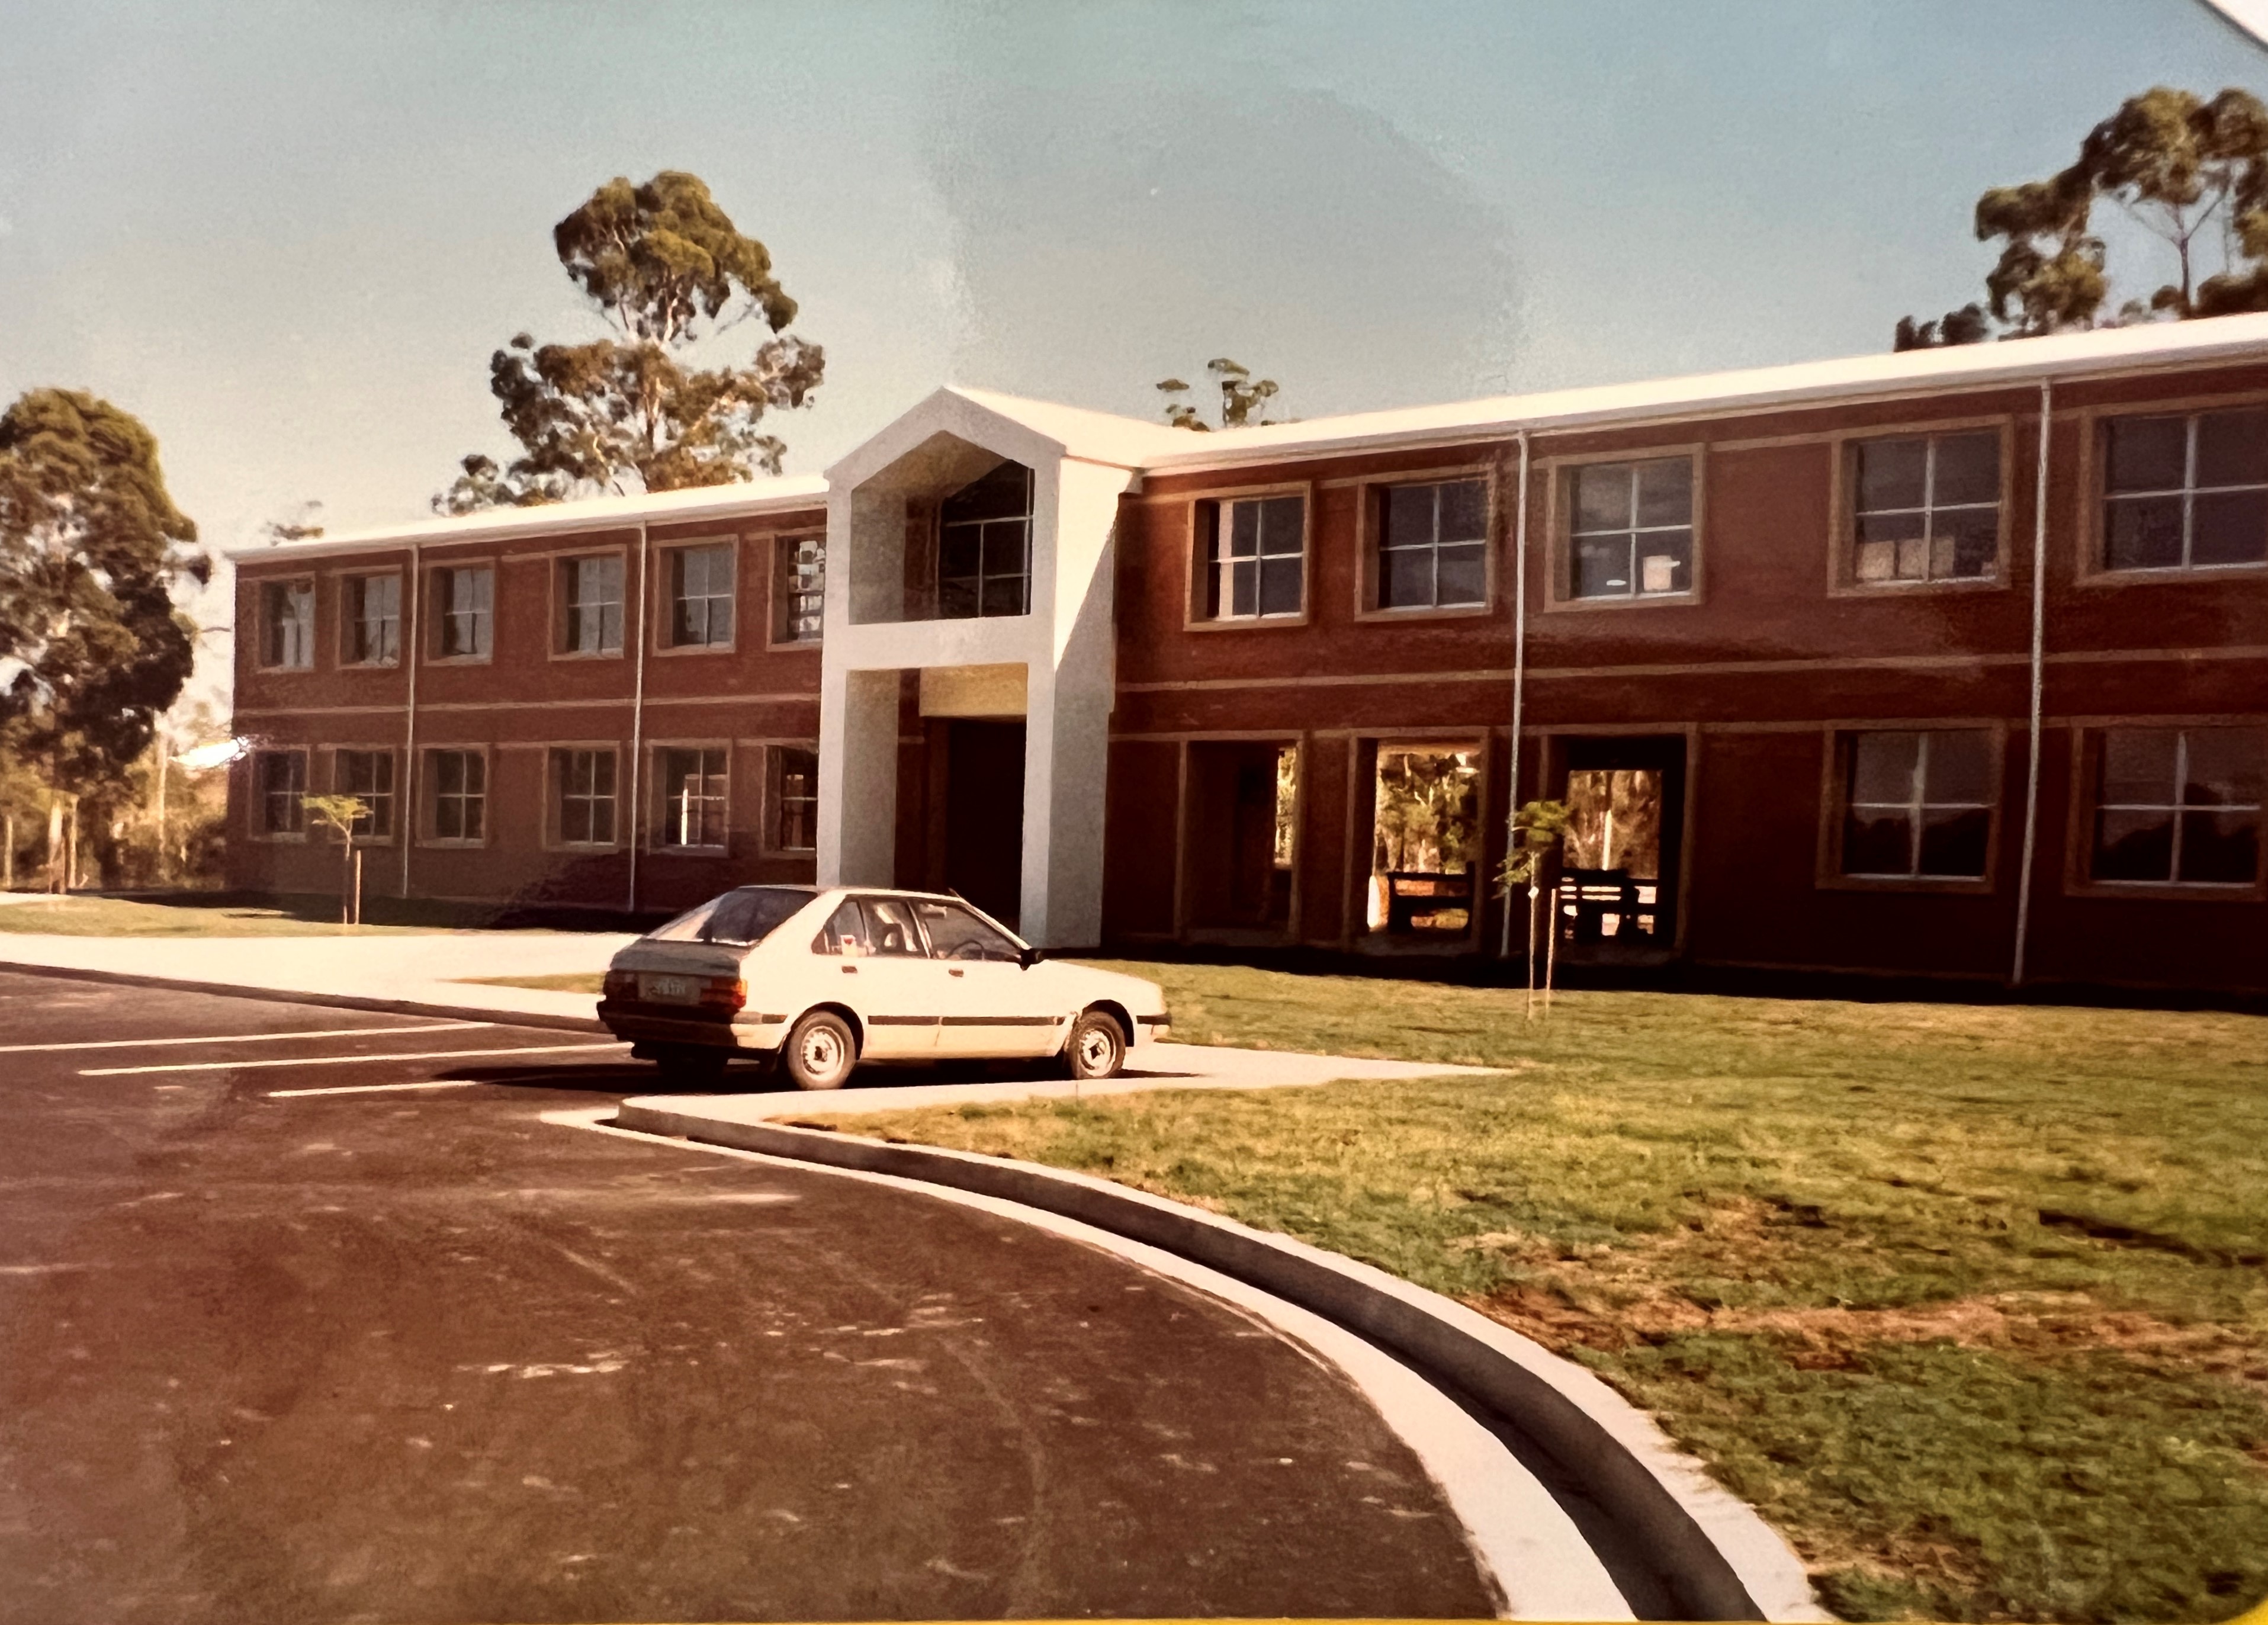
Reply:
x=928, y=551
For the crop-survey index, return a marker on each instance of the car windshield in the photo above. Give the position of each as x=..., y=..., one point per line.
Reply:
x=738, y=918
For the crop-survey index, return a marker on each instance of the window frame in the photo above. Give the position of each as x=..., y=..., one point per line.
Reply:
x=1834, y=793
x=1559, y=518
x=563, y=607
x=437, y=616
x=391, y=753
x=296, y=835
x=781, y=544
x=664, y=606
x=2079, y=835
x=655, y=794
x=1195, y=566
x=1029, y=575
x=2092, y=529
x=429, y=794
x=1843, y=543
x=1371, y=493
x=555, y=794
x=349, y=582
x=775, y=801
x=261, y=590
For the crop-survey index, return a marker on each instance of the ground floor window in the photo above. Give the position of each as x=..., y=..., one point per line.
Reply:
x=2177, y=806
x=584, y=783
x=1610, y=878
x=794, y=799
x=1426, y=840
x=281, y=780
x=1918, y=806
x=368, y=777
x=457, y=807
x=691, y=786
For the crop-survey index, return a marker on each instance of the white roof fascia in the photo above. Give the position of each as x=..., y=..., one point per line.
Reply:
x=1998, y=365
x=745, y=500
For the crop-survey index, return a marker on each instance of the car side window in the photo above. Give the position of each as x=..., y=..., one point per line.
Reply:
x=890, y=927
x=844, y=933
x=955, y=933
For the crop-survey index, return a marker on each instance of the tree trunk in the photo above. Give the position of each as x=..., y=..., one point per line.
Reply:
x=8, y=858
x=56, y=877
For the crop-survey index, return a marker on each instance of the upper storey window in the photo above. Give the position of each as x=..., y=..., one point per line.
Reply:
x=464, y=612
x=287, y=625
x=2186, y=492
x=1255, y=558
x=372, y=607
x=1432, y=547
x=591, y=605
x=1926, y=508
x=1630, y=529
x=798, y=589
x=701, y=581
x=985, y=547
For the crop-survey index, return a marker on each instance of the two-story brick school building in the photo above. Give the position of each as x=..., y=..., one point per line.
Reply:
x=1945, y=664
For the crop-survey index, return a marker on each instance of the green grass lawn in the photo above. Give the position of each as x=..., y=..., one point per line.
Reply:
x=111, y=916
x=1971, y=1301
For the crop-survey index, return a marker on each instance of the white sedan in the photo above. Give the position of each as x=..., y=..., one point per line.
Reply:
x=823, y=978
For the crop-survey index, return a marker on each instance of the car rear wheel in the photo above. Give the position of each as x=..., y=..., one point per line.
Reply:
x=820, y=1051
x=1096, y=1049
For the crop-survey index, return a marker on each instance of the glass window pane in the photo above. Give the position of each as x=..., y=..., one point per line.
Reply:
x=1603, y=568
x=1953, y=843
x=1279, y=586
x=1243, y=529
x=2224, y=768
x=1876, y=561
x=449, y=773
x=890, y=926
x=720, y=621
x=2232, y=448
x=1665, y=492
x=1891, y=473
x=1405, y=577
x=2147, y=454
x=1603, y=496
x=1959, y=768
x=2232, y=528
x=1004, y=547
x=1877, y=842
x=2220, y=848
x=1464, y=511
x=1406, y=517
x=2133, y=846
x=1464, y=575
x=1885, y=767
x=1968, y=469
x=2137, y=768
x=1244, y=587
x=1891, y=527
x=1966, y=544
x=1665, y=561
x=958, y=549
x=1002, y=595
x=956, y=601
x=2142, y=533
x=1282, y=520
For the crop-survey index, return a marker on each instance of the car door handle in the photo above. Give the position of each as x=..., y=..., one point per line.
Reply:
x=956, y=973
x=849, y=970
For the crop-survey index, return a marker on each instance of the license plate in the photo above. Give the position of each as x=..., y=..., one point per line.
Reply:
x=669, y=990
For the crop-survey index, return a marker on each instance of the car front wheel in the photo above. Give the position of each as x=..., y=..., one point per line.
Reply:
x=820, y=1052
x=1096, y=1049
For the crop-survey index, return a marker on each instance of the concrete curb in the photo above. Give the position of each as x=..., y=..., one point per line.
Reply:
x=334, y=1001
x=1719, y=1559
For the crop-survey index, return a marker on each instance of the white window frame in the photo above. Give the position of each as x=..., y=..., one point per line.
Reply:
x=291, y=798
x=1221, y=563
x=776, y=786
x=376, y=827
x=2177, y=810
x=469, y=799
x=1384, y=494
x=287, y=641
x=454, y=623
x=1929, y=511
x=671, y=821
x=565, y=759
x=2188, y=492
x=1573, y=536
x=355, y=622
x=1916, y=807
x=577, y=616
x=675, y=605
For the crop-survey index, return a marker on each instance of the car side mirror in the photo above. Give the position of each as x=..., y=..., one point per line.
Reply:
x=1029, y=957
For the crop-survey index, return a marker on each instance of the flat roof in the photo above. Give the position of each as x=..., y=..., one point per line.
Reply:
x=744, y=500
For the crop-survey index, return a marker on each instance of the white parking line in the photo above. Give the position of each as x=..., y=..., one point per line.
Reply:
x=240, y=1038
x=430, y=1082
x=424, y=1055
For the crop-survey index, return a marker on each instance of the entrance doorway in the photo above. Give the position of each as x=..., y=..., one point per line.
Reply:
x=1242, y=808
x=983, y=844
x=1626, y=819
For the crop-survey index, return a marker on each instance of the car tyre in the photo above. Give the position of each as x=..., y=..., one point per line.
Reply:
x=820, y=1051
x=1096, y=1049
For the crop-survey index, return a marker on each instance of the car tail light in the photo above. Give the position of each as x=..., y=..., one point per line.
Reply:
x=619, y=984
x=725, y=993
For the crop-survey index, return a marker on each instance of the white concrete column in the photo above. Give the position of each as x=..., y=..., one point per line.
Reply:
x=858, y=777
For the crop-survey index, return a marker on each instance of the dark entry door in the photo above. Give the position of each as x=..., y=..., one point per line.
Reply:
x=1626, y=826
x=984, y=815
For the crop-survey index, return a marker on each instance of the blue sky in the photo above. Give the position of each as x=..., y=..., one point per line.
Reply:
x=288, y=235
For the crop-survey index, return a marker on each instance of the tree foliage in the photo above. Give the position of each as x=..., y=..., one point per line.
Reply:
x=91, y=551
x=2190, y=171
x=669, y=274
x=1243, y=398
